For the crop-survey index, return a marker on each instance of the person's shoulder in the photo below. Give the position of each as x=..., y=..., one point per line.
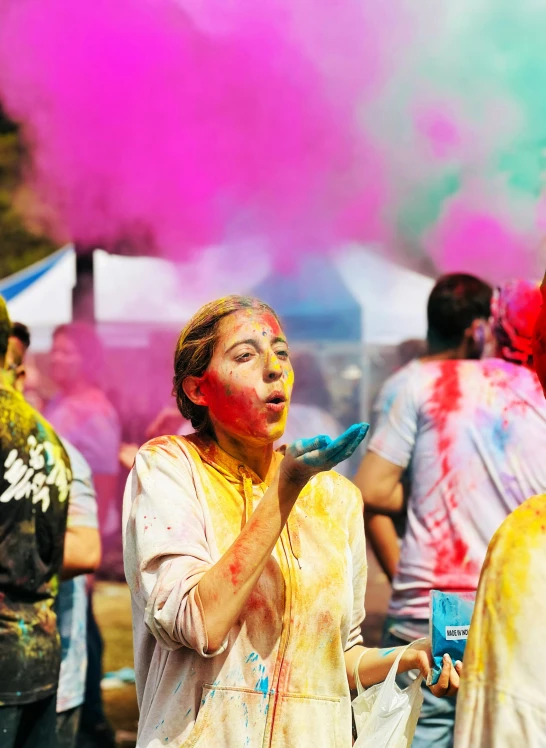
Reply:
x=501, y=374
x=80, y=467
x=528, y=521
x=26, y=417
x=531, y=515
x=163, y=451
x=170, y=445
x=398, y=379
x=97, y=400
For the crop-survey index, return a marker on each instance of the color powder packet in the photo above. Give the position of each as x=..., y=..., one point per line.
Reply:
x=450, y=616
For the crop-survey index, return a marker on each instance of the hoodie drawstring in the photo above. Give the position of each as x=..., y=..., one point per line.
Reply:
x=291, y=525
x=248, y=494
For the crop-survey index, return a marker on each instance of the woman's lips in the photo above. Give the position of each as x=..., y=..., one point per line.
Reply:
x=276, y=407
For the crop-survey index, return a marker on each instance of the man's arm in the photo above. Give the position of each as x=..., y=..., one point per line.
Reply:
x=379, y=482
x=82, y=552
x=381, y=533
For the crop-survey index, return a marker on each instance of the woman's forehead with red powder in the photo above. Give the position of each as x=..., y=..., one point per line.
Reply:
x=248, y=323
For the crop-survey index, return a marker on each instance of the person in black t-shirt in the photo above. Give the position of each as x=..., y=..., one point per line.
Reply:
x=35, y=478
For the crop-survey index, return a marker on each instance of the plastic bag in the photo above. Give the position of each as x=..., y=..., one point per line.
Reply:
x=385, y=715
x=450, y=616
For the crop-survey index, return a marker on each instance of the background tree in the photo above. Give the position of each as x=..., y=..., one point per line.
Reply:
x=20, y=243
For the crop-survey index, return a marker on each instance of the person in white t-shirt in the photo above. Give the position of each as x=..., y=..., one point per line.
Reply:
x=473, y=434
x=457, y=307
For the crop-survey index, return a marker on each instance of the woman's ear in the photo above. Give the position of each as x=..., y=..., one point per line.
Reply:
x=192, y=389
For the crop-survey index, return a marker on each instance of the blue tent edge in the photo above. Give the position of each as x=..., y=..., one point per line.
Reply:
x=15, y=284
x=323, y=311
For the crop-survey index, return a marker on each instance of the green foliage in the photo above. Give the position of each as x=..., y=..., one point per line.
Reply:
x=19, y=247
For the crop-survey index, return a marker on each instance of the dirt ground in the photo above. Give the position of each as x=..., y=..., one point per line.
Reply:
x=113, y=610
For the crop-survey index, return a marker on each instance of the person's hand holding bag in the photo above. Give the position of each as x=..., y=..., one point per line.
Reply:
x=419, y=657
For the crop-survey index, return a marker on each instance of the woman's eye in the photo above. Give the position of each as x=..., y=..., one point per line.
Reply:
x=282, y=354
x=244, y=356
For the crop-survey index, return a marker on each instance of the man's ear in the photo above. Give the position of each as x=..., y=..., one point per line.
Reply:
x=192, y=389
x=480, y=333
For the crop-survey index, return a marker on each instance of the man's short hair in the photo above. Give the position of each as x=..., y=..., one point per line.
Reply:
x=5, y=328
x=21, y=332
x=455, y=302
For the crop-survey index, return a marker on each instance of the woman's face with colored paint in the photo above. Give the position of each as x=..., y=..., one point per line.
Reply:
x=248, y=383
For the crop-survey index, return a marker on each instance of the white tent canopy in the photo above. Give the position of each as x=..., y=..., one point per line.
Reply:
x=153, y=291
x=393, y=299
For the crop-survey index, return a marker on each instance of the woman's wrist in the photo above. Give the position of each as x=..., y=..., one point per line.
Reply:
x=291, y=484
x=416, y=658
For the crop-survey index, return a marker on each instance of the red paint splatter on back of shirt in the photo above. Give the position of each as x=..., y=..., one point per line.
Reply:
x=452, y=562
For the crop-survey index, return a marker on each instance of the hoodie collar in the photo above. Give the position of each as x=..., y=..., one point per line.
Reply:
x=232, y=469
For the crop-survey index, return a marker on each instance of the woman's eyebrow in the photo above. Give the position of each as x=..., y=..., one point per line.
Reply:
x=248, y=341
x=255, y=343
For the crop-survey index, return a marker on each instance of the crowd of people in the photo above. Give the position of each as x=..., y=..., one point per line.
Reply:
x=244, y=539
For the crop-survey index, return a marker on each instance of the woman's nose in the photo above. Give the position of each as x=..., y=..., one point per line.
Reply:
x=273, y=369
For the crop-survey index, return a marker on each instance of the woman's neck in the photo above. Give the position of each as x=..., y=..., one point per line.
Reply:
x=257, y=457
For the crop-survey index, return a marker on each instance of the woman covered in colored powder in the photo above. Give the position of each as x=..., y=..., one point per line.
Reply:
x=502, y=703
x=247, y=568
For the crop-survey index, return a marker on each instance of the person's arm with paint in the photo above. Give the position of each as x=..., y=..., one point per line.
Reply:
x=82, y=548
x=381, y=533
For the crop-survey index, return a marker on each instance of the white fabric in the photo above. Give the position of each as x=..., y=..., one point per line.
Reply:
x=385, y=715
x=184, y=506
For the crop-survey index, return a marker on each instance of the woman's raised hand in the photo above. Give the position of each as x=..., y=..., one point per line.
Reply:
x=307, y=457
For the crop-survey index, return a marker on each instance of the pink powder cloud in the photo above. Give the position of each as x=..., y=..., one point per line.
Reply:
x=144, y=125
x=470, y=239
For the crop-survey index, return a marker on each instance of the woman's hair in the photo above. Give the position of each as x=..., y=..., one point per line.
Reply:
x=195, y=348
x=89, y=346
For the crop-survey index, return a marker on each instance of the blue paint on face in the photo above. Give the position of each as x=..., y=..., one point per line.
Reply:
x=253, y=657
x=188, y=712
x=178, y=687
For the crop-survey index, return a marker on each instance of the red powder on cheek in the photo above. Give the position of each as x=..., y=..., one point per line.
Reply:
x=235, y=405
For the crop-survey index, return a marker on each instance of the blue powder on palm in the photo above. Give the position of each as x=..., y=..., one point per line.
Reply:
x=450, y=616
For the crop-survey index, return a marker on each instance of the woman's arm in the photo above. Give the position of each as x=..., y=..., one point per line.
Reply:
x=225, y=587
x=376, y=663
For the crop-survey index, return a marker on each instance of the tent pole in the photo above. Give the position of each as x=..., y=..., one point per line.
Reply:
x=83, y=295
